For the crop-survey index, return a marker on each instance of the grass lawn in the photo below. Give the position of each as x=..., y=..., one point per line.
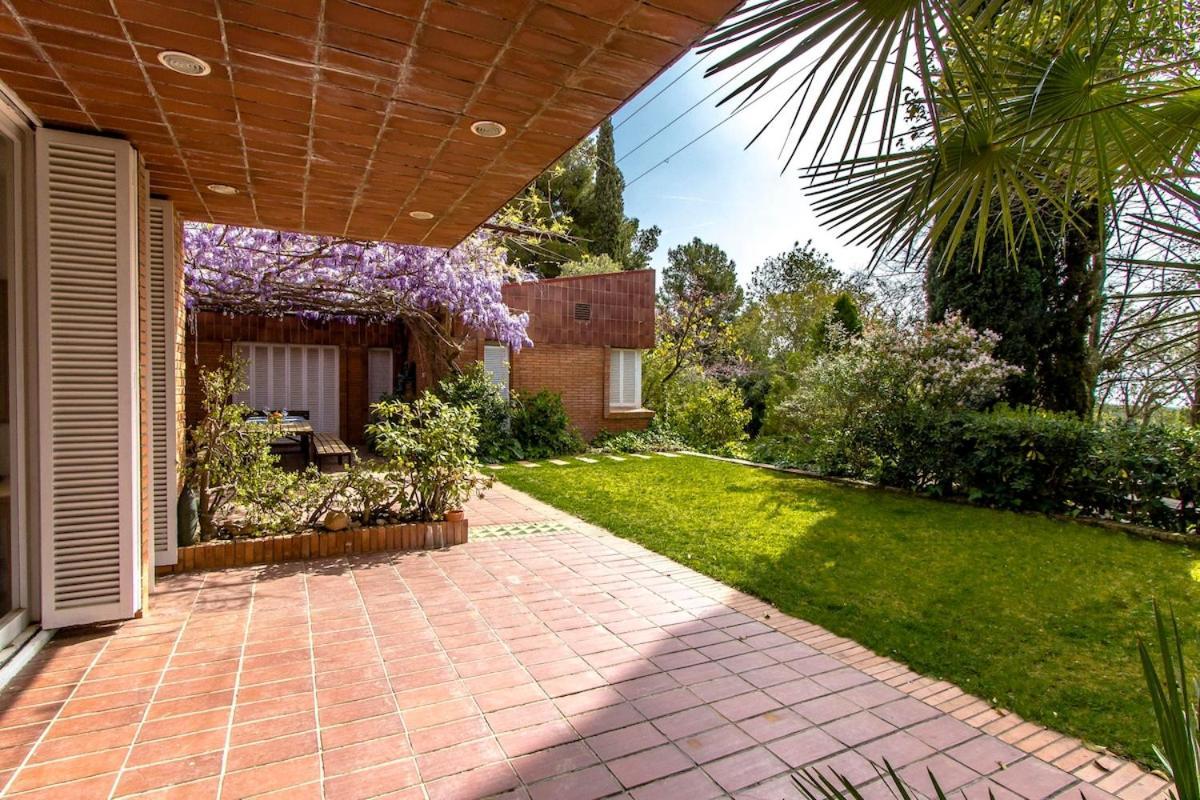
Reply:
x=1039, y=616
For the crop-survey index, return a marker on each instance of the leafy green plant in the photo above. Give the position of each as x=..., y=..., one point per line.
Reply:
x=655, y=439
x=706, y=414
x=541, y=427
x=429, y=447
x=474, y=388
x=1174, y=708
x=230, y=459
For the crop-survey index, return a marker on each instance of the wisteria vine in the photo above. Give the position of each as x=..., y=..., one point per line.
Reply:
x=243, y=270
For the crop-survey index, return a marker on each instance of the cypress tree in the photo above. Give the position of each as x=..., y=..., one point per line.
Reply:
x=608, y=204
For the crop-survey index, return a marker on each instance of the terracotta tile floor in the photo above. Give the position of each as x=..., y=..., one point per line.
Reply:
x=569, y=665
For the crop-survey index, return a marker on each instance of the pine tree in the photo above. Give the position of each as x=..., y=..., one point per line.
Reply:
x=608, y=204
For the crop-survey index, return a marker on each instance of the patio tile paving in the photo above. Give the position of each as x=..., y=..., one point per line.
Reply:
x=551, y=660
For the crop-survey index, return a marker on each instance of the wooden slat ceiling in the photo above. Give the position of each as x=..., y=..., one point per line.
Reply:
x=341, y=117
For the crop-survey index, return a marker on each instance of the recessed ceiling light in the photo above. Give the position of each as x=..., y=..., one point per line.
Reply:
x=222, y=188
x=488, y=129
x=184, y=63
x=420, y=215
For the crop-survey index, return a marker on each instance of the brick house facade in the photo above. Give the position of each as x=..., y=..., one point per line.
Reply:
x=576, y=324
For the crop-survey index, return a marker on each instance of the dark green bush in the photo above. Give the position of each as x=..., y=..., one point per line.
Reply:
x=541, y=427
x=474, y=387
x=1024, y=460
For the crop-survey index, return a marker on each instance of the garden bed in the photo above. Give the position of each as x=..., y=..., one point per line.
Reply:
x=221, y=553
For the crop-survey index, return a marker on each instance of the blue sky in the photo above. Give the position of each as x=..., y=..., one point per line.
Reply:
x=715, y=189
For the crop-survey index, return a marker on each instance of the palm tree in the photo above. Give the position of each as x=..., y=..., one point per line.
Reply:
x=927, y=114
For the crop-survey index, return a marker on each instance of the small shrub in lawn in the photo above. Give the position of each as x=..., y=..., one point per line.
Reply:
x=655, y=439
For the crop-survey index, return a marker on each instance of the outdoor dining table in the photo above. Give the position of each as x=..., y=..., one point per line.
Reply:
x=296, y=429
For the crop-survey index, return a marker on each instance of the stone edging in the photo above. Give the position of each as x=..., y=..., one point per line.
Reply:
x=222, y=553
x=1140, y=531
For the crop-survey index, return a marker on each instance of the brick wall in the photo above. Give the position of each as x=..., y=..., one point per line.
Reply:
x=214, y=336
x=580, y=375
x=619, y=308
x=570, y=354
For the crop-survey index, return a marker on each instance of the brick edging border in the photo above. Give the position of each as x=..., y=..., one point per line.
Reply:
x=1141, y=531
x=222, y=553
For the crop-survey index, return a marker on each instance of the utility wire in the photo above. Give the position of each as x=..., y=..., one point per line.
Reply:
x=657, y=94
x=695, y=105
x=736, y=111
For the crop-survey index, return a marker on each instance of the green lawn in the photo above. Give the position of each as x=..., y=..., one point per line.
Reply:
x=1040, y=617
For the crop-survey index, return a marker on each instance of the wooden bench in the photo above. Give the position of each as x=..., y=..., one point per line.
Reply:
x=326, y=445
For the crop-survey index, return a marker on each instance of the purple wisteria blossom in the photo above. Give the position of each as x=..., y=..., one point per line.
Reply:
x=256, y=271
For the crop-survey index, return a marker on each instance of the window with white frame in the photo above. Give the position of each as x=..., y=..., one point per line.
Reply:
x=625, y=379
x=295, y=378
x=495, y=361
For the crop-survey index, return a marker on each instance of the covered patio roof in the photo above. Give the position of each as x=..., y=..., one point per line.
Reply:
x=341, y=117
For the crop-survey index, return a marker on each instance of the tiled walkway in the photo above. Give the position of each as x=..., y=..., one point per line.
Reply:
x=569, y=665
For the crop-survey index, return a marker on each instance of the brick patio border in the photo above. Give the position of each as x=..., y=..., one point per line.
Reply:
x=223, y=553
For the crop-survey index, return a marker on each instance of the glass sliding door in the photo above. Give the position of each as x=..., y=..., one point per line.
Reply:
x=14, y=531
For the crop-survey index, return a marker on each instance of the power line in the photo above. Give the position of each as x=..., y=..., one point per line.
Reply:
x=657, y=94
x=695, y=105
x=737, y=111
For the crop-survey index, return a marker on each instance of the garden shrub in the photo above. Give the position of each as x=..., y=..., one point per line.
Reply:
x=429, y=446
x=857, y=404
x=243, y=490
x=654, y=439
x=475, y=388
x=230, y=464
x=709, y=416
x=541, y=427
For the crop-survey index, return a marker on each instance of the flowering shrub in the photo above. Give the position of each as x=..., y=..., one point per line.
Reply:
x=856, y=401
x=259, y=271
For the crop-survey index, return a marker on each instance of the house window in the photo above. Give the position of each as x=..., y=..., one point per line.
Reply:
x=295, y=378
x=495, y=361
x=625, y=379
x=379, y=373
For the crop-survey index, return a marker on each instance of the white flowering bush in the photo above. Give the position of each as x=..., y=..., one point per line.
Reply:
x=857, y=403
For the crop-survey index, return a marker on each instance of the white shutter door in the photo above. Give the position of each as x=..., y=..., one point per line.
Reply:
x=87, y=381
x=495, y=361
x=162, y=380
x=379, y=373
x=329, y=421
x=296, y=378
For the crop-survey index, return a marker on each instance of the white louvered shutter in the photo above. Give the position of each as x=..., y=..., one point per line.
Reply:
x=495, y=361
x=88, y=378
x=625, y=378
x=379, y=373
x=295, y=378
x=162, y=380
x=329, y=421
